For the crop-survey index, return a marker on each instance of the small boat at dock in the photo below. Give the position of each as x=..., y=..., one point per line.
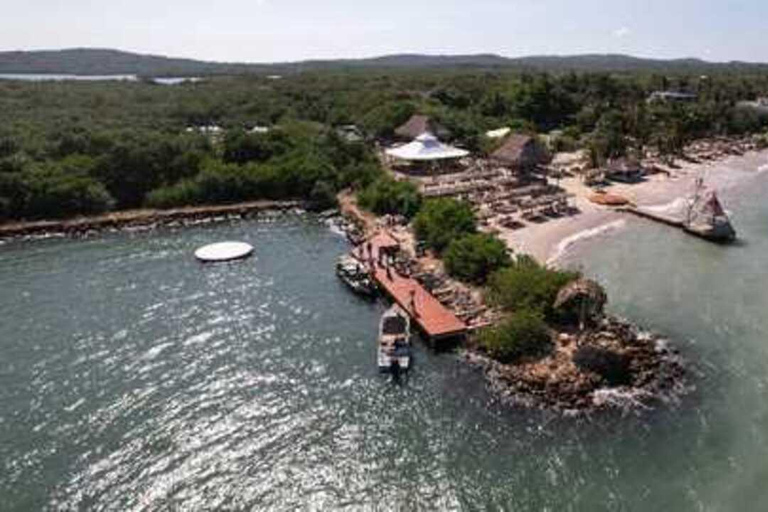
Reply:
x=394, y=344
x=355, y=275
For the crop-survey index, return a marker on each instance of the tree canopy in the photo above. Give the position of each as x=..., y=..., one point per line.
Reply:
x=387, y=196
x=525, y=284
x=440, y=221
x=148, y=143
x=472, y=258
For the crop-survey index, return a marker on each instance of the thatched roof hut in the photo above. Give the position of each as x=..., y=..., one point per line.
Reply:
x=419, y=124
x=521, y=152
x=584, y=298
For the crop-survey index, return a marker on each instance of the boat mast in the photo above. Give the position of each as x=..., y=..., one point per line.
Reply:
x=693, y=204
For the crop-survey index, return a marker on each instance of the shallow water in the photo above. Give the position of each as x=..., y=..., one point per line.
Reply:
x=134, y=378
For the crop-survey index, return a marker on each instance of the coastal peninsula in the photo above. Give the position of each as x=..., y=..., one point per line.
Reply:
x=484, y=180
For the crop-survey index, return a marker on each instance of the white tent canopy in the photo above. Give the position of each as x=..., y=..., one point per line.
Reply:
x=224, y=251
x=498, y=134
x=426, y=148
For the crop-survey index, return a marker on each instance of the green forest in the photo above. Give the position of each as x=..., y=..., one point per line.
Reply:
x=77, y=148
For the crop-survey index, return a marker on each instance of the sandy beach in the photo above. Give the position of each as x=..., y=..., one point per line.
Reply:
x=550, y=241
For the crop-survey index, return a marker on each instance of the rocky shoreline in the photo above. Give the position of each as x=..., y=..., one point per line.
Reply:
x=568, y=380
x=555, y=383
x=576, y=378
x=142, y=220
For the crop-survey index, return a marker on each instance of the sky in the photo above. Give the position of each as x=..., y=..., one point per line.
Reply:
x=289, y=30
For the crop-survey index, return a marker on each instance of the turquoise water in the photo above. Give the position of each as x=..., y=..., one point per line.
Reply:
x=133, y=378
x=713, y=302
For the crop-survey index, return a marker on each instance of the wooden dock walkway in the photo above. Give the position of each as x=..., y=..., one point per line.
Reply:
x=663, y=219
x=435, y=321
x=704, y=232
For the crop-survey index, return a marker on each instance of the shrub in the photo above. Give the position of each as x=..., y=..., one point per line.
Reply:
x=242, y=147
x=183, y=193
x=440, y=221
x=472, y=258
x=323, y=196
x=49, y=191
x=382, y=120
x=359, y=175
x=525, y=284
x=387, y=196
x=524, y=334
x=217, y=182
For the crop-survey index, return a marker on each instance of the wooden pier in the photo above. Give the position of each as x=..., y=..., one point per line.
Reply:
x=697, y=231
x=663, y=219
x=434, y=320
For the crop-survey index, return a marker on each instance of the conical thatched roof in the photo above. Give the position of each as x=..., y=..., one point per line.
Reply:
x=418, y=125
x=582, y=290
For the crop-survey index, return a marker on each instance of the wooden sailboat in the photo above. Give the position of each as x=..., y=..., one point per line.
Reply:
x=706, y=216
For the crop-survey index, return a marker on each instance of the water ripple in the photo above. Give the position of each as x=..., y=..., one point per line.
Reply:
x=145, y=381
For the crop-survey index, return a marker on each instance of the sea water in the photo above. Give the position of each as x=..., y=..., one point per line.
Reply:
x=132, y=377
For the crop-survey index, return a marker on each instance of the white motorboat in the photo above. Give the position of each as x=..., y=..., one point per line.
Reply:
x=394, y=346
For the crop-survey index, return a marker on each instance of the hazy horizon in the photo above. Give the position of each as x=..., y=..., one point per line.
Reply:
x=264, y=31
x=374, y=56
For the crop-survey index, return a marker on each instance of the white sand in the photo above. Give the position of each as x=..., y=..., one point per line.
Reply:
x=549, y=241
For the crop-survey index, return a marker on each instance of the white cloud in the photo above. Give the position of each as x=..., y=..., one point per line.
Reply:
x=622, y=32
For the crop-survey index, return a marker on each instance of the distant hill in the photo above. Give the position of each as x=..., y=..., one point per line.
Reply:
x=91, y=61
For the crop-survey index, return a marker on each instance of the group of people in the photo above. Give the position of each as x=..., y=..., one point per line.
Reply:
x=384, y=258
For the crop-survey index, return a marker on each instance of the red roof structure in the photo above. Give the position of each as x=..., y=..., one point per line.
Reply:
x=435, y=320
x=384, y=240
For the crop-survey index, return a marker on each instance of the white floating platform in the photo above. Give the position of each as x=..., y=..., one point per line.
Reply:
x=224, y=251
